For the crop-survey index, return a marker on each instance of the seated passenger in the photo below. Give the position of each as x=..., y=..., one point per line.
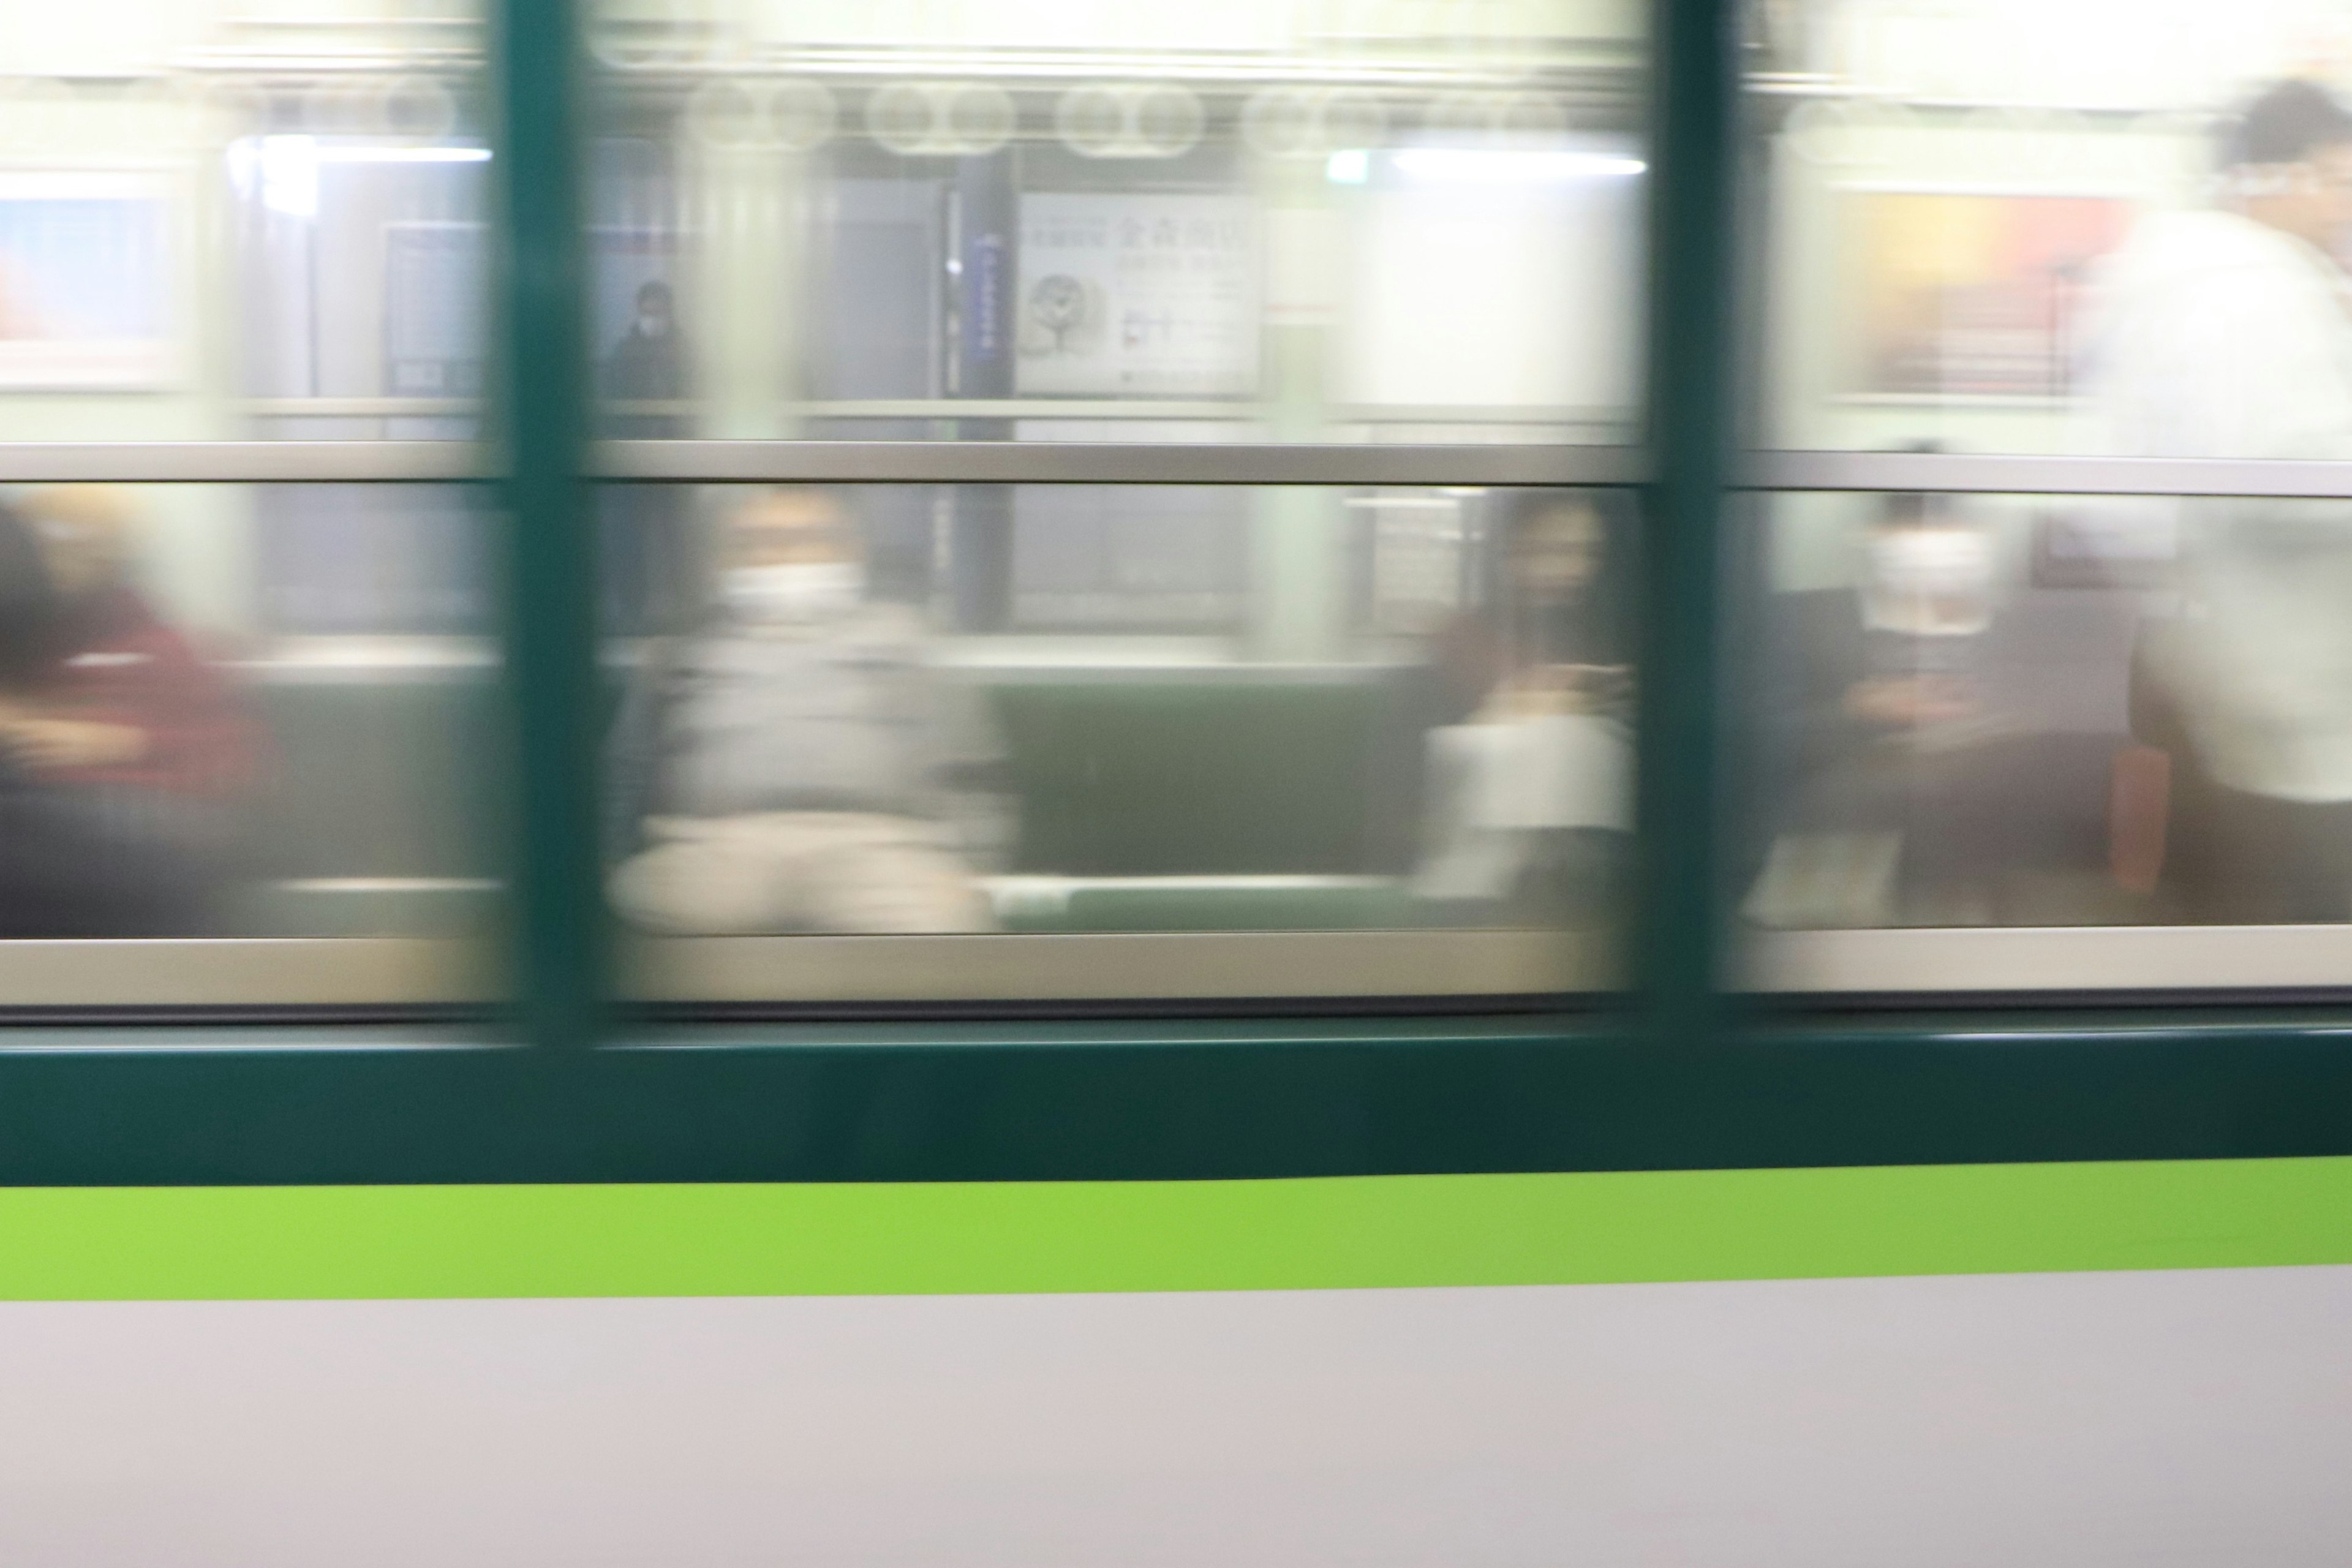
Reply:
x=1939, y=748
x=1531, y=797
x=123, y=756
x=793, y=766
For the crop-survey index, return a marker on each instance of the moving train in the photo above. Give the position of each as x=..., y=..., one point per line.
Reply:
x=1309, y=781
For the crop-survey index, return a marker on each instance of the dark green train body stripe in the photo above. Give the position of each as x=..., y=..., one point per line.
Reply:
x=427, y=1242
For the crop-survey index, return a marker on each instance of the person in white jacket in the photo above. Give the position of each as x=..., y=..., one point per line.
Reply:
x=2228, y=334
x=794, y=764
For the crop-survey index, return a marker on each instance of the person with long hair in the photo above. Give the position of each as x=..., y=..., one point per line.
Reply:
x=1530, y=795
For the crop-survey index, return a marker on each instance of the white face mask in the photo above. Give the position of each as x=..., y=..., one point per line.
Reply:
x=1930, y=580
x=1931, y=560
x=810, y=591
x=652, y=326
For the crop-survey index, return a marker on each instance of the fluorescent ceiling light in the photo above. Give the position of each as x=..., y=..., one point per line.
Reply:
x=286, y=168
x=1512, y=165
x=331, y=155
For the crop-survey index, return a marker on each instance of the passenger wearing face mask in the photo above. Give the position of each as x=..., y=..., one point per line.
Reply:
x=649, y=566
x=794, y=765
x=2228, y=334
x=1897, y=803
x=648, y=365
x=1926, y=603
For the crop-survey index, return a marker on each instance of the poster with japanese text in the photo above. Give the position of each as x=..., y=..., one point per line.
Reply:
x=1137, y=296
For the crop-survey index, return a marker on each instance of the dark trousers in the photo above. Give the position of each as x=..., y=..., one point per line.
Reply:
x=92, y=863
x=2234, y=859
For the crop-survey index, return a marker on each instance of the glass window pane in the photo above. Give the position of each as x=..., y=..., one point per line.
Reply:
x=2062, y=227
x=1967, y=713
x=1100, y=222
x=244, y=717
x=1986, y=233
x=214, y=226
x=1384, y=731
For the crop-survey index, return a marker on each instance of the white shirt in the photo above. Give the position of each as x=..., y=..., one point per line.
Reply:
x=2216, y=336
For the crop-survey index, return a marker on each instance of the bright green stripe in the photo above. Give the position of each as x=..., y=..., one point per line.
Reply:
x=260, y=1243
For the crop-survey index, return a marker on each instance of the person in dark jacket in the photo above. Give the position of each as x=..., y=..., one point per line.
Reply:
x=648, y=365
x=649, y=564
x=1905, y=785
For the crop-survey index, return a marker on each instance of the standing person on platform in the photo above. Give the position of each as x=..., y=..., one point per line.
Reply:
x=649, y=563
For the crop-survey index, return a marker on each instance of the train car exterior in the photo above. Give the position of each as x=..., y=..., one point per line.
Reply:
x=1557, y=896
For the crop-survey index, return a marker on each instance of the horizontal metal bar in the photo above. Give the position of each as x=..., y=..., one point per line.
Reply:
x=1165, y=966
x=242, y=462
x=1225, y=411
x=1019, y=66
x=388, y=408
x=1234, y=412
x=1158, y=463
x=1977, y=473
x=1109, y=463
x=292, y=972
x=2046, y=958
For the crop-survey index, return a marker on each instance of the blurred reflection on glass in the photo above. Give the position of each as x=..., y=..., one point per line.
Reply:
x=1277, y=709
x=176, y=760
x=219, y=221
x=1088, y=222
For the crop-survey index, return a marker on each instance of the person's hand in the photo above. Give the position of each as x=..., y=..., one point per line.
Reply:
x=1905, y=701
x=54, y=744
x=1601, y=687
x=1551, y=691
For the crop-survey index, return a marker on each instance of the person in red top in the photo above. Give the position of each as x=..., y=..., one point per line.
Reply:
x=124, y=756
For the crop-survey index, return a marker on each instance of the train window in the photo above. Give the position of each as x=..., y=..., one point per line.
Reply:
x=2092, y=244
x=1084, y=222
x=2047, y=673
x=214, y=227
x=250, y=659
x=2020, y=742
x=198, y=743
x=1097, y=446
x=1306, y=741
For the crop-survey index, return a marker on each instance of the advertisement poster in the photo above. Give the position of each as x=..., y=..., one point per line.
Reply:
x=85, y=284
x=436, y=287
x=1976, y=294
x=1138, y=296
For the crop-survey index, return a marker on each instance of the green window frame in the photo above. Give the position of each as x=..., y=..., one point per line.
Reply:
x=1675, y=1072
